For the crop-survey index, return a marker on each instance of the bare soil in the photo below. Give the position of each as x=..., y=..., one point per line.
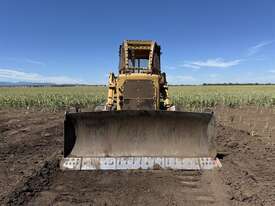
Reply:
x=31, y=144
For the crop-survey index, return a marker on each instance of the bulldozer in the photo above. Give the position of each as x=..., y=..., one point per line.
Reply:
x=139, y=127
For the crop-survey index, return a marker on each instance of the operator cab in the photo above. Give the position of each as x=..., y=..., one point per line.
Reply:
x=139, y=57
x=138, y=60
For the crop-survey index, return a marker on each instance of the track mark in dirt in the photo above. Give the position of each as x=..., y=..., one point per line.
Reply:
x=131, y=188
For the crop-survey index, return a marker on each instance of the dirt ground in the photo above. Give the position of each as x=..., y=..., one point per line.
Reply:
x=31, y=144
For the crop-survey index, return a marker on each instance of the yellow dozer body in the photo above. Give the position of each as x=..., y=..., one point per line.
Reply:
x=139, y=128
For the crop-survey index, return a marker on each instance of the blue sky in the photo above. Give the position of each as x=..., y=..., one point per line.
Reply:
x=69, y=41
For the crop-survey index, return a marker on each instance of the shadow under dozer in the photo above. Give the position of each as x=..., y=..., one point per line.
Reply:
x=117, y=140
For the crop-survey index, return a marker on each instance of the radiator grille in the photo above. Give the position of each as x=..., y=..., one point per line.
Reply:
x=139, y=95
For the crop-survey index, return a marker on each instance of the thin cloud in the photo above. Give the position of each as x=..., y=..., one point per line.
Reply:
x=255, y=49
x=26, y=60
x=213, y=76
x=272, y=71
x=214, y=63
x=15, y=75
x=188, y=65
x=31, y=61
x=170, y=67
x=180, y=79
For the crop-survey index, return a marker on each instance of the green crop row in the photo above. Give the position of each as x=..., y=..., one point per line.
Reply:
x=194, y=97
x=188, y=97
x=52, y=97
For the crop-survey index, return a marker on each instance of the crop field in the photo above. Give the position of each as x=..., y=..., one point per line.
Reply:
x=188, y=97
x=31, y=145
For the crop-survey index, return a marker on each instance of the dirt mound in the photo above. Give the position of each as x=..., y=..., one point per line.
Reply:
x=248, y=167
x=29, y=186
x=27, y=139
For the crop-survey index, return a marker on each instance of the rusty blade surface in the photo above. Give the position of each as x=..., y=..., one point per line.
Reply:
x=139, y=133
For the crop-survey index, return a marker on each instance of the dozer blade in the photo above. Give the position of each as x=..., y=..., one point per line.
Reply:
x=139, y=140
